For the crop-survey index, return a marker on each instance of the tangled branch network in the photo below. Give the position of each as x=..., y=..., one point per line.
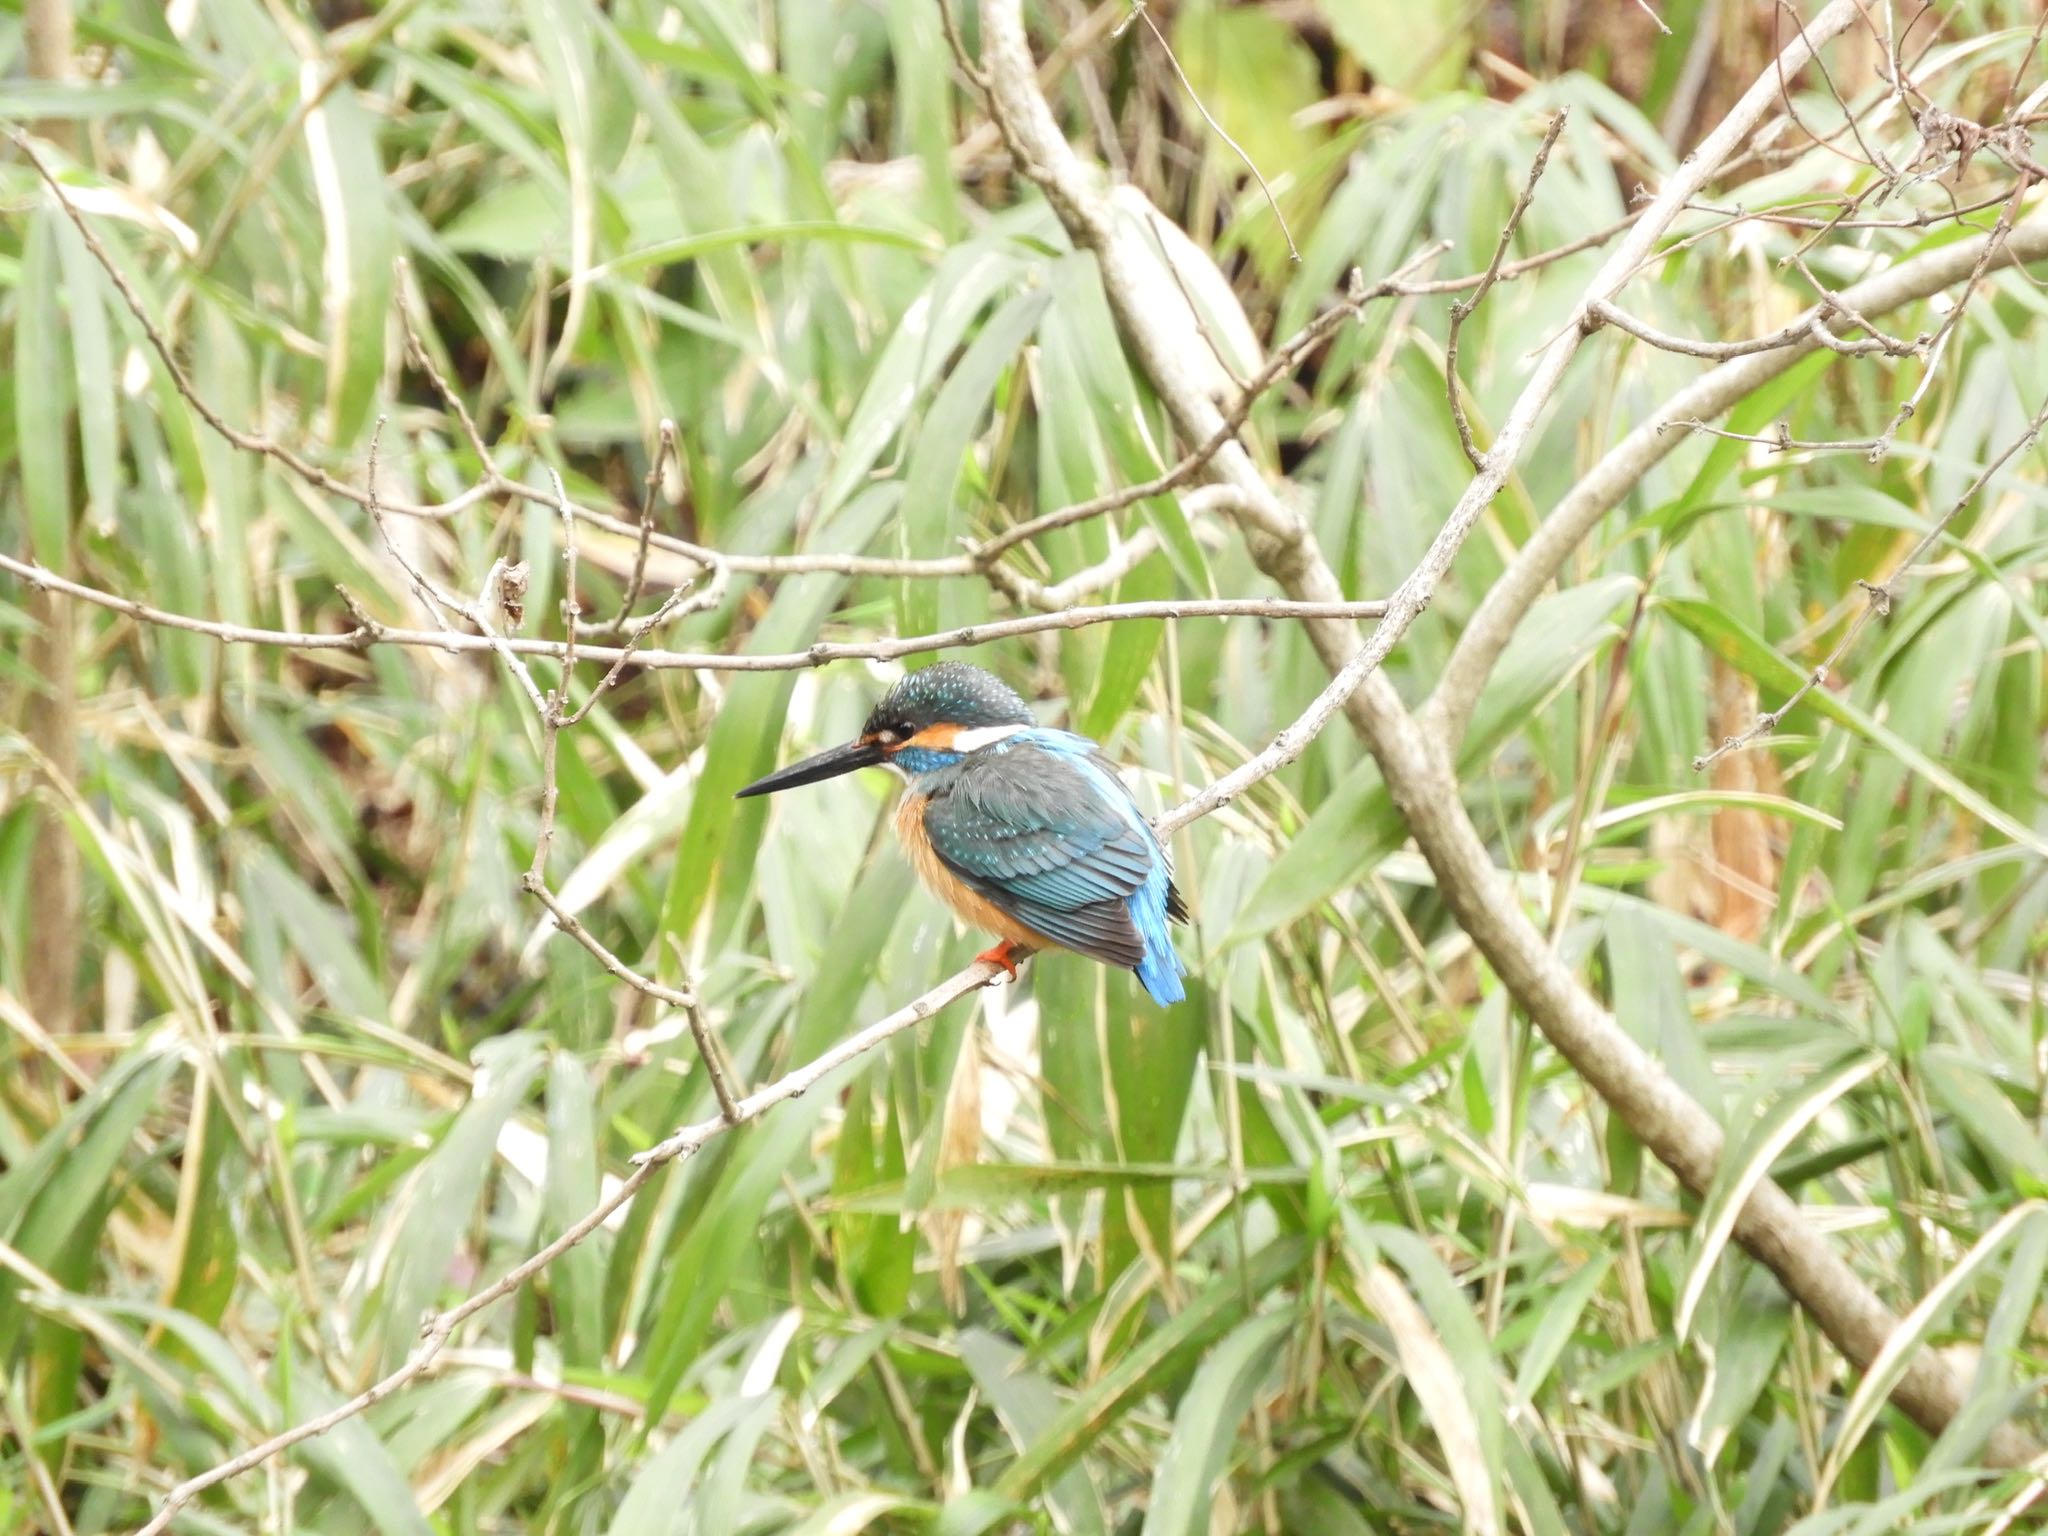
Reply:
x=1225, y=489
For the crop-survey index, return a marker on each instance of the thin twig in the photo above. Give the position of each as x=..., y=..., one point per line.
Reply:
x=1807, y=326
x=708, y=1050
x=665, y=451
x=552, y=715
x=1871, y=156
x=535, y=886
x=572, y=605
x=369, y=632
x=1142, y=12
x=678, y=599
x=1285, y=359
x=1462, y=311
x=1779, y=440
x=1999, y=233
x=2012, y=86
x=950, y=24
x=432, y=599
x=1927, y=219
x=1879, y=598
x=1515, y=269
x=422, y=359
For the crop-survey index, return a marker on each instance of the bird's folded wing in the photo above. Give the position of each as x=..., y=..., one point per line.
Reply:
x=1036, y=835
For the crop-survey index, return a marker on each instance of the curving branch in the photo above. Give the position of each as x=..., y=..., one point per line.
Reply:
x=1286, y=357
x=1415, y=763
x=1812, y=325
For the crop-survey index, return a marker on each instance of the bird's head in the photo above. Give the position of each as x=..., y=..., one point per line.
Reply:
x=929, y=721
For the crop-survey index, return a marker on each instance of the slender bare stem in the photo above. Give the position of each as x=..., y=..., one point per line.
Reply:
x=1462, y=310
x=1809, y=327
x=370, y=632
x=1141, y=10
x=666, y=452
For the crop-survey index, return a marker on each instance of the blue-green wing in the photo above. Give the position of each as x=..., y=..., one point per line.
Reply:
x=1036, y=834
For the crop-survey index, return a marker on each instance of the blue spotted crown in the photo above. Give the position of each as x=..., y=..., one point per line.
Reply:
x=949, y=693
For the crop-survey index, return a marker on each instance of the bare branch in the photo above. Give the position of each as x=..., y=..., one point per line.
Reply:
x=707, y=1047
x=1509, y=271
x=422, y=359
x=1288, y=356
x=1141, y=10
x=665, y=453
x=1809, y=327
x=1778, y=440
x=1993, y=244
x=950, y=24
x=535, y=886
x=1462, y=311
x=369, y=632
x=1871, y=156
x=1926, y=219
x=2019, y=73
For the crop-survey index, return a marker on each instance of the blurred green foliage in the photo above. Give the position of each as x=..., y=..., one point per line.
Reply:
x=1055, y=1260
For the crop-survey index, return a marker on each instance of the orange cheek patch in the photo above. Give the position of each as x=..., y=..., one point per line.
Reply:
x=939, y=738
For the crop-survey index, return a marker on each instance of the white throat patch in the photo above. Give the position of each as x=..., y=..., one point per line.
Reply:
x=986, y=736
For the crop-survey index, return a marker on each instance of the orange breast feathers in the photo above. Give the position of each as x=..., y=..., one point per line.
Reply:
x=973, y=909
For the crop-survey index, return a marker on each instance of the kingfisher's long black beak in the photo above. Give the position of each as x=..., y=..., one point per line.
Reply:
x=826, y=765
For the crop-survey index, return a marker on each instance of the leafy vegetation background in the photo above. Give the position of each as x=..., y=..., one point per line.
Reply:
x=1055, y=1260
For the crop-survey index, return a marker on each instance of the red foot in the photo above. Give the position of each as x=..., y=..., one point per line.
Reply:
x=1005, y=954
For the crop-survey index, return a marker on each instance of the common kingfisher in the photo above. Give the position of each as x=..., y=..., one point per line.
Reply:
x=1024, y=831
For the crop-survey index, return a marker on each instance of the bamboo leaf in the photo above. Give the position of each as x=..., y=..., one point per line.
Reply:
x=348, y=176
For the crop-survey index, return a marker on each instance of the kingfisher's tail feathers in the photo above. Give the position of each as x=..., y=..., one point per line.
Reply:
x=1161, y=969
x=1160, y=973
